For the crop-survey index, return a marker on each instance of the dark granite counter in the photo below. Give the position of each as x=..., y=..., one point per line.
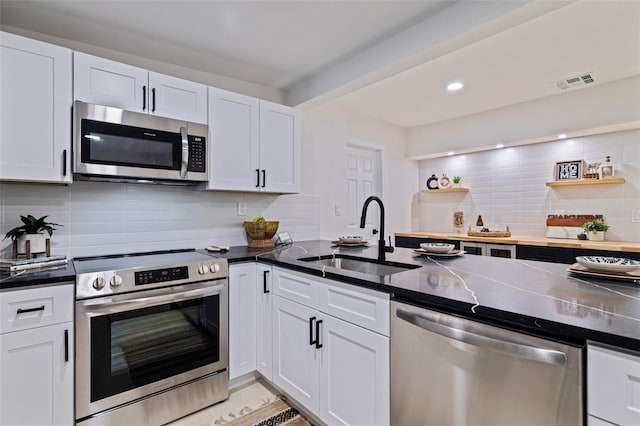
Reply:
x=33, y=277
x=537, y=297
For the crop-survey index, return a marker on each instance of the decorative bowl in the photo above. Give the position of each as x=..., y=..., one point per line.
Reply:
x=351, y=239
x=260, y=233
x=437, y=247
x=609, y=264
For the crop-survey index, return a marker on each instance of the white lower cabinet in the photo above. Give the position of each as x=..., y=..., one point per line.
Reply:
x=242, y=319
x=264, y=302
x=613, y=387
x=337, y=370
x=36, y=360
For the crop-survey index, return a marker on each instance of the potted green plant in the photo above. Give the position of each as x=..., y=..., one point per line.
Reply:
x=31, y=230
x=595, y=229
x=457, y=180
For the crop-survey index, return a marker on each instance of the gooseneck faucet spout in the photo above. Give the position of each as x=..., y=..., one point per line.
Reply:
x=382, y=249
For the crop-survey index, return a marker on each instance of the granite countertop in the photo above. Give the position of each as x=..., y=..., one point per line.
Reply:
x=627, y=246
x=539, y=297
x=33, y=277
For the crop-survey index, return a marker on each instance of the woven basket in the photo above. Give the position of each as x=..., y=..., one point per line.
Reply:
x=260, y=233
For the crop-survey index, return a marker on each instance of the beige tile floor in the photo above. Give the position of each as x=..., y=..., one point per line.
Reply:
x=241, y=401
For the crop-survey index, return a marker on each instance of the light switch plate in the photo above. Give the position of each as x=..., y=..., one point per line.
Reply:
x=242, y=208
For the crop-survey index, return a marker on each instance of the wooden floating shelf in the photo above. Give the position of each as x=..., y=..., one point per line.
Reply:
x=455, y=189
x=608, y=181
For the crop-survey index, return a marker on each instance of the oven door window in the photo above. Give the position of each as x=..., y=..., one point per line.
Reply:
x=121, y=145
x=134, y=348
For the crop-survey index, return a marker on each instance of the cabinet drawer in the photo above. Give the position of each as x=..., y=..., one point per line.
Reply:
x=360, y=306
x=35, y=307
x=295, y=286
x=613, y=386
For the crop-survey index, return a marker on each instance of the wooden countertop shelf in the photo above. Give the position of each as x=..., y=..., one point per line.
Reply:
x=452, y=189
x=608, y=181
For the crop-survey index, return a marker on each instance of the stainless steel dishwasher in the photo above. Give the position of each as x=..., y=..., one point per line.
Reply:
x=447, y=370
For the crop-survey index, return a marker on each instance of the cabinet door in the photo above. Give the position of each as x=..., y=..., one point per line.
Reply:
x=35, y=110
x=354, y=377
x=234, y=141
x=296, y=362
x=280, y=147
x=104, y=82
x=177, y=98
x=36, y=384
x=242, y=319
x=264, y=339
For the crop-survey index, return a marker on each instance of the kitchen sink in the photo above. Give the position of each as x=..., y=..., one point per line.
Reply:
x=360, y=264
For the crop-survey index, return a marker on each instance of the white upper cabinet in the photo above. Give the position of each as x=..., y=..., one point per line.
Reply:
x=35, y=110
x=106, y=82
x=234, y=141
x=279, y=147
x=255, y=144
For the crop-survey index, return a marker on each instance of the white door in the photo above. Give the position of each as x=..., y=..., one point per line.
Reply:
x=296, y=362
x=354, y=377
x=363, y=180
x=36, y=384
x=104, y=82
x=242, y=319
x=264, y=315
x=35, y=110
x=234, y=140
x=279, y=148
x=177, y=98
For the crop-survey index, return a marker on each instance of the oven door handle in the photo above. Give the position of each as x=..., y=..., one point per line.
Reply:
x=144, y=302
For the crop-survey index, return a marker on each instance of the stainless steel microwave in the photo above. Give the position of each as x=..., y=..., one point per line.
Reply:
x=113, y=144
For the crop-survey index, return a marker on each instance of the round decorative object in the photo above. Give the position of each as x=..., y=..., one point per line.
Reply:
x=444, y=181
x=610, y=264
x=353, y=239
x=437, y=247
x=432, y=182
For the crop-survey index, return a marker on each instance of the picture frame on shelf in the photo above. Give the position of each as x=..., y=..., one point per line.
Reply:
x=569, y=170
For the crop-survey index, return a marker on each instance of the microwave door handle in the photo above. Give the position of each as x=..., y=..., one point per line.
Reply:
x=185, y=152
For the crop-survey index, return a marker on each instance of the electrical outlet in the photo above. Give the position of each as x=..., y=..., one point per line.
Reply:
x=337, y=208
x=242, y=208
x=635, y=215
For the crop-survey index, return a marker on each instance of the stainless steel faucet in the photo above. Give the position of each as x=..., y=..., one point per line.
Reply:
x=382, y=248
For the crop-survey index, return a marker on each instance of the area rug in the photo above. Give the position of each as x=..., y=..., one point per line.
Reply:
x=273, y=414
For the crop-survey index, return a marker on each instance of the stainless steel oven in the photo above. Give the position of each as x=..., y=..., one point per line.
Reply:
x=151, y=337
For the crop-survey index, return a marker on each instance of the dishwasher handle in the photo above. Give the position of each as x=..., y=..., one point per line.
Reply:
x=544, y=355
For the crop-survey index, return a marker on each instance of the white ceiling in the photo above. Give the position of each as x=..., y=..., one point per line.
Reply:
x=279, y=43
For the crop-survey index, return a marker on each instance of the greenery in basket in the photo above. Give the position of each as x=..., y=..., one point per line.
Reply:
x=32, y=225
x=457, y=179
x=595, y=226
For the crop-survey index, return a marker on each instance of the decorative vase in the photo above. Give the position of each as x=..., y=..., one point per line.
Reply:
x=432, y=182
x=37, y=243
x=596, y=236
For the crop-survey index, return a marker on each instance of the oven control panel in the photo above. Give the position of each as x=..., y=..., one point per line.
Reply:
x=161, y=275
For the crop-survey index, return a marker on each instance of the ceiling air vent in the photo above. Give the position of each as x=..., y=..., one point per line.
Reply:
x=576, y=81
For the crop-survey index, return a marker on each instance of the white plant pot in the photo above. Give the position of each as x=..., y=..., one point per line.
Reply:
x=597, y=236
x=37, y=242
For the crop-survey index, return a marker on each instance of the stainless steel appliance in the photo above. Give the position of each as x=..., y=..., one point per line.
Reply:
x=447, y=370
x=151, y=336
x=118, y=145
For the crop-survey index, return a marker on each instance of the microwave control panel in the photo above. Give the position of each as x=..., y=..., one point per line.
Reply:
x=197, y=154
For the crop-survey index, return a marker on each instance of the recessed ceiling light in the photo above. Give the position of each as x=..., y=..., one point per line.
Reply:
x=454, y=86
x=562, y=135
x=499, y=146
x=450, y=153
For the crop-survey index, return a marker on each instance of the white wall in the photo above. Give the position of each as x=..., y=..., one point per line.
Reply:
x=507, y=186
x=109, y=218
x=326, y=133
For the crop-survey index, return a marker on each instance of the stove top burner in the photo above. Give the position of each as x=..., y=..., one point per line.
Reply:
x=110, y=274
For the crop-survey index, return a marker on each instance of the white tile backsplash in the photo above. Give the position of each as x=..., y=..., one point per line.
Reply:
x=508, y=186
x=107, y=218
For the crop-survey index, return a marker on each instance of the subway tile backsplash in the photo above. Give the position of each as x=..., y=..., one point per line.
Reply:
x=507, y=186
x=108, y=218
